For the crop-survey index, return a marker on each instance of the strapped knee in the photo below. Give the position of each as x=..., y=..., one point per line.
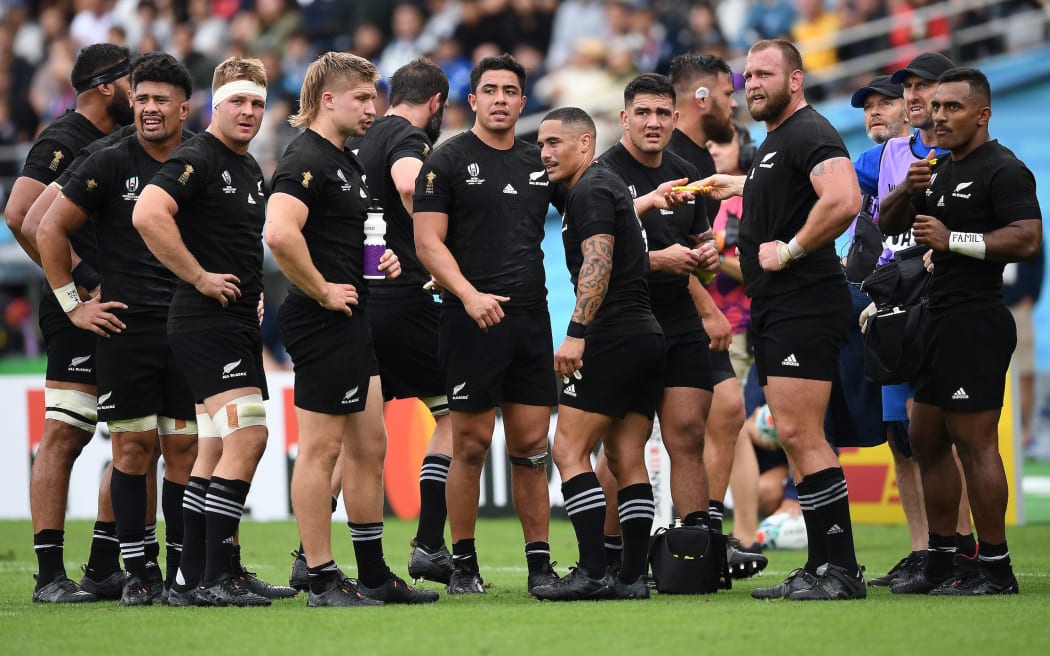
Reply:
x=171, y=426
x=206, y=427
x=240, y=413
x=536, y=461
x=73, y=407
x=136, y=425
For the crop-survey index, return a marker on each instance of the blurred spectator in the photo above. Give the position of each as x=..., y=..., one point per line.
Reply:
x=209, y=35
x=767, y=19
x=367, y=41
x=277, y=20
x=296, y=57
x=531, y=59
x=200, y=65
x=16, y=77
x=51, y=93
x=585, y=82
x=913, y=33
x=814, y=32
x=92, y=22
x=327, y=23
x=858, y=12
x=448, y=55
x=573, y=20
x=406, y=25
x=703, y=32
x=1022, y=285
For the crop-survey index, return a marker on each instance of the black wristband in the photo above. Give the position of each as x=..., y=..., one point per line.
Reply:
x=85, y=276
x=576, y=329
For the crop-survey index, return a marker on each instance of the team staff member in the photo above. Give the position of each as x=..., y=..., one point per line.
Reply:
x=100, y=77
x=316, y=232
x=800, y=194
x=405, y=317
x=479, y=210
x=675, y=251
x=611, y=361
x=202, y=216
x=976, y=210
x=145, y=396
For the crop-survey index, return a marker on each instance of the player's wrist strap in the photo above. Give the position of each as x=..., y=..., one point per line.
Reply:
x=970, y=244
x=576, y=330
x=68, y=297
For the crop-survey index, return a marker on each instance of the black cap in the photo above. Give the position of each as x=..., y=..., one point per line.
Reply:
x=879, y=84
x=928, y=66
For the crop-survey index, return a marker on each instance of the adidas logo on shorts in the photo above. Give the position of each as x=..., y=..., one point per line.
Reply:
x=960, y=395
x=790, y=361
x=834, y=530
x=570, y=390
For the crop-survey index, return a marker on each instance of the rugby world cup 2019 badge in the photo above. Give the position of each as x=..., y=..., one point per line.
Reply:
x=228, y=179
x=430, y=183
x=132, y=185
x=473, y=170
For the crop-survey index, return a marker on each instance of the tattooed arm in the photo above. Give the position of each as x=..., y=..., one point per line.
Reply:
x=591, y=286
x=838, y=192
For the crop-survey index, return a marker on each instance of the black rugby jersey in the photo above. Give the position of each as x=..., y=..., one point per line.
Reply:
x=672, y=303
x=57, y=146
x=683, y=146
x=778, y=197
x=222, y=200
x=986, y=190
x=496, y=202
x=599, y=204
x=389, y=139
x=329, y=181
x=106, y=186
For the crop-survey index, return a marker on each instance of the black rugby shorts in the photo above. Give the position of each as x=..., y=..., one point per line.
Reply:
x=221, y=358
x=138, y=375
x=689, y=361
x=405, y=340
x=619, y=375
x=70, y=350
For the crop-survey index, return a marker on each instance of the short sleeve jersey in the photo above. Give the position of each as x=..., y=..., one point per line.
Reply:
x=53, y=154
x=599, y=204
x=986, y=190
x=221, y=209
x=390, y=139
x=682, y=145
x=672, y=303
x=106, y=187
x=496, y=202
x=330, y=182
x=778, y=197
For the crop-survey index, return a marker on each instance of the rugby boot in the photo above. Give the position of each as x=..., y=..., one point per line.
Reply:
x=343, y=594
x=835, y=584
x=743, y=564
x=905, y=567
x=396, y=591
x=545, y=576
x=464, y=581
x=231, y=591
x=576, y=586
x=252, y=582
x=797, y=580
x=109, y=587
x=433, y=566
x=62, y=590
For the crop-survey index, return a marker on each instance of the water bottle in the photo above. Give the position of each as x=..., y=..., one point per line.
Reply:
x=375, y=241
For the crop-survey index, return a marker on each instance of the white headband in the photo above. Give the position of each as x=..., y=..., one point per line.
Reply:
x=237, y=87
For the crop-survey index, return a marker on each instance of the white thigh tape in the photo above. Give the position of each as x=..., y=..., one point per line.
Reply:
x=169, y=426
x=137, y=425
x=73, y=407
x=206, y=427
x=240, y=413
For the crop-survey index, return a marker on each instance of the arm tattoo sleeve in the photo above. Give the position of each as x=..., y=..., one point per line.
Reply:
x=593, y=281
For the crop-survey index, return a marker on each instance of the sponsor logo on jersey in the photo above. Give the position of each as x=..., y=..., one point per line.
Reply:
x=307, y=177
x=958, y=189
x=473, y=170
x=940, y=202
x=186, y=173
x=56, y=159
x=534, y=178
x=74, y=364
x=228, y=370
x=346, y=186
x=766, y=160
x=456, y=389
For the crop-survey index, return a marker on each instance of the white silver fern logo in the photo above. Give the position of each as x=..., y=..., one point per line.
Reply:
x=456, y=389
x=105, y=397
x=349, y=396
x=77, y=361
x=230, y=367
x=963, y=185
x=769, y=156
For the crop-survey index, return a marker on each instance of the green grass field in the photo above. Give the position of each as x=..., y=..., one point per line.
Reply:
x=508, y=621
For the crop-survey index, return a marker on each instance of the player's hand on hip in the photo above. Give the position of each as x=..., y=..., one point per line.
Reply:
x=485, y=308
x=569, y=358
x=98, y=317
x=340, y=297
x=931, y=232
x=220, y=286
x=390, y=264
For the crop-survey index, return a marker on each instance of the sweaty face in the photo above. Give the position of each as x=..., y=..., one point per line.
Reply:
x=560, y=150
x=717, y=121
x=768, y=84
x=498, y=101
x=884, y=117
x=160, y=108
x=957, y=117
x=239, y=117
x=918, y=93
x=355, y=108
x=648, y=122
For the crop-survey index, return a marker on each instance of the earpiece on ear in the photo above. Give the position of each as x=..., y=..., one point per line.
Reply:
x=701, y=93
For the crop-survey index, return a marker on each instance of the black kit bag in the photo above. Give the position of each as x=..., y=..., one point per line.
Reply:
x=894, y=341
x=866, y=247
x=689, y=560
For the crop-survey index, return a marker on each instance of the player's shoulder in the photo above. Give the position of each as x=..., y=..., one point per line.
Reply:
x=676, y=164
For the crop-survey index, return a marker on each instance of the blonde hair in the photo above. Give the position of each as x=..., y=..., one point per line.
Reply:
x=330, y=69
x=239, y=68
